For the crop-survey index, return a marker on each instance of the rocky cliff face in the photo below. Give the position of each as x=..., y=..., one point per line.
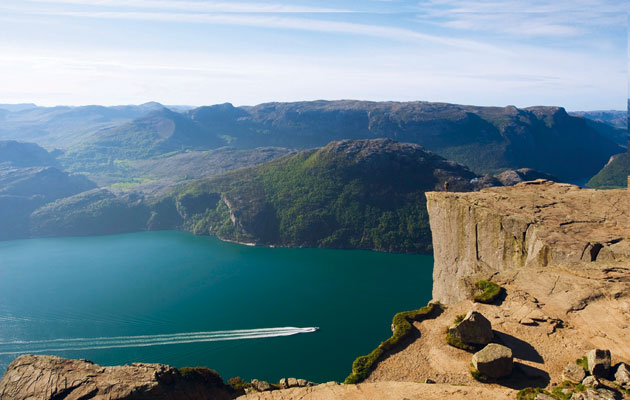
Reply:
x=53, y=378
x=531, y=225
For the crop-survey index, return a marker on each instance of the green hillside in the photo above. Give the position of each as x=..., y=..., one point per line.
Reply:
x=366, y=194
x=614, y=174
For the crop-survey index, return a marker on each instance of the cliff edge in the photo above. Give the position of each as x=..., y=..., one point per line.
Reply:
x=55, y=378
x=532, y=225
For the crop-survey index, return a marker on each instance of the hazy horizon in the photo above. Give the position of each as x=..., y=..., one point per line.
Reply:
x=193, y=106
x=194, y=52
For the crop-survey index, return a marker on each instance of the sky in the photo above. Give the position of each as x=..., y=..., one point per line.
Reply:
x=571, y=53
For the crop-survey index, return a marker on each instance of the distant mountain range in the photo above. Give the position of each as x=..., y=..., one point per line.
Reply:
x=30, y=178
x=155, y=167
x=62, y=126
x=486, y=139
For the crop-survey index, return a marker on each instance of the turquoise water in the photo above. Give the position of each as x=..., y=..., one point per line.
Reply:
x=176, y=298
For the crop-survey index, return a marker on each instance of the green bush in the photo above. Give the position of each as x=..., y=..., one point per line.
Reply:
x=238, y=385
x=363, y=366
x=490, y=292
x=202, y=373
x=556, y=393
x=530, y=393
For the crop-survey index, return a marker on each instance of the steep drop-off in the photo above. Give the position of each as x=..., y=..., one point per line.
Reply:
x=54, y=378
x=534, y=224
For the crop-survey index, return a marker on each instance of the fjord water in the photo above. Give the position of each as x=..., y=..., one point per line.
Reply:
x=162, y=297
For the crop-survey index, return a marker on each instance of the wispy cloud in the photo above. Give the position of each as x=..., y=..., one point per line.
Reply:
x=273, y=22
x=535, y=18
x=196, y=6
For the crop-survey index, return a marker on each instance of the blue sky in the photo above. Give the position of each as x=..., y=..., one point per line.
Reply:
x=571, y=53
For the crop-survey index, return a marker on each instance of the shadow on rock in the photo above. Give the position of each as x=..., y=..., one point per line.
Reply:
x=525, y=376
x=520, y=348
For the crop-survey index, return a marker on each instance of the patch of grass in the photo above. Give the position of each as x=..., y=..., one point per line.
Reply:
x=459, y=319
x=530, y=393
x=490, y=292
x=583, y=362
x=558, y=393
x=363, y=366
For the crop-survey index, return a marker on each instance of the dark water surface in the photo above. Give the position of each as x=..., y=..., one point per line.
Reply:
x=175, y=298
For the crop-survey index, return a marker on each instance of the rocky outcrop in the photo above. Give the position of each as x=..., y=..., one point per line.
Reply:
x=562, y=256
x=573, y=372
x=494, y=361
x=531, y=225
x=53, y=378
x=513, y=176
x=622, y=375
x=473, y=329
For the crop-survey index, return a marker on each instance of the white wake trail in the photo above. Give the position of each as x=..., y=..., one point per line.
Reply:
x=77, y=344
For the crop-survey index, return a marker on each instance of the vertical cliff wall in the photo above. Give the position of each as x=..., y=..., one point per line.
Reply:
x=533, y=224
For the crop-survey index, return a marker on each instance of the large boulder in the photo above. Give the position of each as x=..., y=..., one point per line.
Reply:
x=574, y=373
x=598, y=362
x=52, y=378
x=622, y=375
x=473, y=329
x=494, y=361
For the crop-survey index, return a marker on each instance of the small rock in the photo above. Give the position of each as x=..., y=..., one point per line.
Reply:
x=284, y=384
x=599, y=362
x=542, y=396
x=622, y=376
x=494, y=361
x=302, y=382
x=261, y=386
x=429, y=381
x=292, y=382
x=537, y=315
x=573, y=372
x=474, y=329
x=527, y=321
x=590, y=381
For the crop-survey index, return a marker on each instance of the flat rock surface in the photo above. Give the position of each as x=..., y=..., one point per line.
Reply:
x=384, y=391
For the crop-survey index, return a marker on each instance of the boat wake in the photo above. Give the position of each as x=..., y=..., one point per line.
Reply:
x=75, y=344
